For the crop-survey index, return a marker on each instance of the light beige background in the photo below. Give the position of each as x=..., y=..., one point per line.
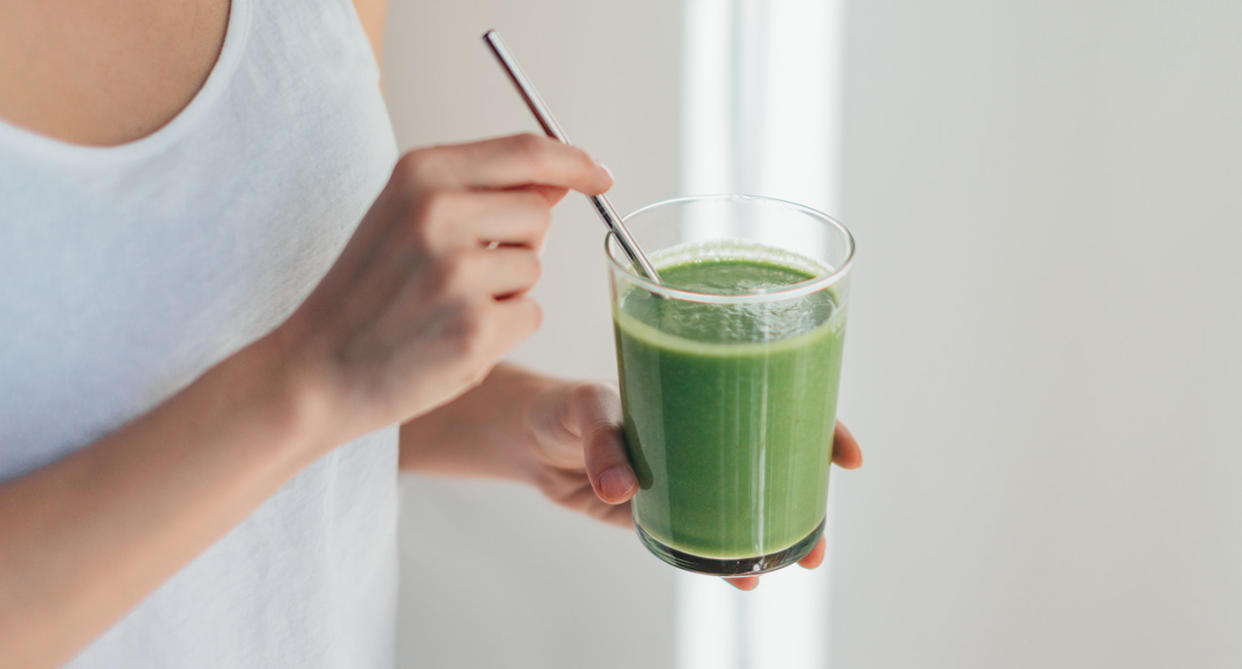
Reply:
x=1042, y=360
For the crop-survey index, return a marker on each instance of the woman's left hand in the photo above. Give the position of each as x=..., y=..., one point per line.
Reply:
x=580, y=460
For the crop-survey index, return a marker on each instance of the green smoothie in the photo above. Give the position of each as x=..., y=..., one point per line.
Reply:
x=729, y=408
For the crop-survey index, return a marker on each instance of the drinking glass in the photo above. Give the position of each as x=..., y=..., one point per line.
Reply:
x=729, y=391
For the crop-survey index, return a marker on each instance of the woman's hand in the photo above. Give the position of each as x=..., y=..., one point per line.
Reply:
x=430, y=291
x=418, y=307
x=580, y=460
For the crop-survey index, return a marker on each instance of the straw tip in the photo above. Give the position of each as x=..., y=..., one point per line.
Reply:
x=489, y=34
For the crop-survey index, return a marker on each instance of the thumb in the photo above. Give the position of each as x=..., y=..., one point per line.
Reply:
x=593, y=410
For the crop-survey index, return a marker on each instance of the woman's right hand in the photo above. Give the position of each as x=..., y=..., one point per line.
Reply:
x=416, y=309
x=430, y=291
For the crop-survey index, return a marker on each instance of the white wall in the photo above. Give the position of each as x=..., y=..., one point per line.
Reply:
x=1043, y=351
x=493, y=576
x=1041, y=360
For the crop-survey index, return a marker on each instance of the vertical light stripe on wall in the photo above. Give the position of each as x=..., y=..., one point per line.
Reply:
x=761, y=114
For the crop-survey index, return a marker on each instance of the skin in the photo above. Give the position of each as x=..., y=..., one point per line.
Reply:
x=407, y=327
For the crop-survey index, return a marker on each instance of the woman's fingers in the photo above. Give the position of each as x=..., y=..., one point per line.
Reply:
x=816, y=556
x=512, y=218
x=812, y=560
x=744, y=582
x=595, y=410
x=516, y=160
x=846, y=453
x=503, y=272
x=550, y=194
x=608, y=467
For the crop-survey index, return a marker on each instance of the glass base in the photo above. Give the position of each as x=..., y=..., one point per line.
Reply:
x=749, y=566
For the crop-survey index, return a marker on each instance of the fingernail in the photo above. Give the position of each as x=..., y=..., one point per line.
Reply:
x=616, y=482
x=606, y=171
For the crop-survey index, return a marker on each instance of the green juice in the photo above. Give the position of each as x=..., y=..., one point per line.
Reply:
x=729, y=408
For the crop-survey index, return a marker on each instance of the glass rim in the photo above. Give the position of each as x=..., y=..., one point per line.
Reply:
x=800, y=289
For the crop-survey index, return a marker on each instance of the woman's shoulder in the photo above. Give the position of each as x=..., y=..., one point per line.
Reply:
x=373, y=14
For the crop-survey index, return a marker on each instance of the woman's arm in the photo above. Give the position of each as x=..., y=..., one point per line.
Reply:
x=416, y=311
x=83, y=540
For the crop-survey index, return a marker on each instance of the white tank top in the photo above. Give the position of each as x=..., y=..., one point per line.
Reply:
x=125, y=272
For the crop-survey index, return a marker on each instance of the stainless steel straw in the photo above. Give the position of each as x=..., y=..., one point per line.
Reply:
x=553, y=129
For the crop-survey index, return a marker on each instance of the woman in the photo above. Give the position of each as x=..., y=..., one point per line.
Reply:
x=231, y=312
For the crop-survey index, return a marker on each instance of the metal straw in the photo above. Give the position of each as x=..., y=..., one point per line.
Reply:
x=553, y=129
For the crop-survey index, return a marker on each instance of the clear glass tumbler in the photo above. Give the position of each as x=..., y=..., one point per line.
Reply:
x=729, y=373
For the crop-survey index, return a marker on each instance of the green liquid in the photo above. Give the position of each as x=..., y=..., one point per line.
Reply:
x=729, y=409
